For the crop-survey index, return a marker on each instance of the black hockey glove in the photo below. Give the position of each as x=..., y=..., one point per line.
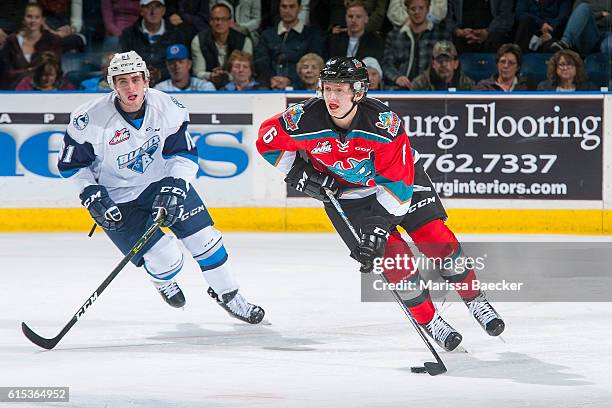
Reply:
x=374, y=234
x=103, y=210
x=303, y=177
x=171, y=196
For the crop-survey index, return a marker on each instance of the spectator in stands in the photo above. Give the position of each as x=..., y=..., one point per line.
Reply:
x=9, y=18
x=540, y=23
x=330, y=15
x=397, y=13
x=566, y=73
x=98, y=82
x=191, y=16
x=240, y=65
x=355, y=41
x=64, y=19
x=408, y=49
x=327, y=15
x=444, y=72
x=117, y=16
x=507, y=78
x=47, y=75
x=24, y=46
x=247, y=17
x=150, y=35
x=179, y=66
x=375, y=73
x=480, y=25
x=211, y=48
x=280, y=47
x=588, y=29
x=308, y=68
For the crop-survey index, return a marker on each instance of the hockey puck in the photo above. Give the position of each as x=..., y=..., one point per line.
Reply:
x=418, y=370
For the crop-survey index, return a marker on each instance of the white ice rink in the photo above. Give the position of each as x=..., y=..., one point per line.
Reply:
x=324, y=348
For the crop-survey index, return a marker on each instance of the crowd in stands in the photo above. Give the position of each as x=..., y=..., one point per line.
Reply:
x=239, y=45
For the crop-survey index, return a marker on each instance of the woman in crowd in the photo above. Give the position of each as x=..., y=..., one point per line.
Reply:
x=25, y=46
x=47, y=76
x=508, y=76
x=308, y=68
x=240, y=65
x=566, y=73
x=375, y=73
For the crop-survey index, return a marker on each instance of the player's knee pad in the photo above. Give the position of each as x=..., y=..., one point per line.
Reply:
x=207, y=248
x=435, y=240
x=164, y=260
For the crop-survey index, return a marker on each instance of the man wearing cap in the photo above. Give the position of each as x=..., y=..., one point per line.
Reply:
x=179, y=66
x=444, y=72
x=150, y=35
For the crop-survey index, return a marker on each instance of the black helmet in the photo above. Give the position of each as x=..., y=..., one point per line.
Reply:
x=345, y=69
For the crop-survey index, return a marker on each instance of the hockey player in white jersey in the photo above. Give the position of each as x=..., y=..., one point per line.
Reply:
x=130, y=155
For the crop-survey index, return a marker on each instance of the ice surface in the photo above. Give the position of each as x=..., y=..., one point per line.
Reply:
x=324, y=348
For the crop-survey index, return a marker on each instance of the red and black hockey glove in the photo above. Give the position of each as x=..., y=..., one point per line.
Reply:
x=304, y=178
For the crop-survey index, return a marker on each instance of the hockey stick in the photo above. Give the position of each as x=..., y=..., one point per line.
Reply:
x=430, y=367
x=50, y=343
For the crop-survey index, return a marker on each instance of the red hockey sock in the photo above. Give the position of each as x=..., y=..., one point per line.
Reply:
x=436, y=240
x=397, y=263
x=424, y=312
x=403, y=269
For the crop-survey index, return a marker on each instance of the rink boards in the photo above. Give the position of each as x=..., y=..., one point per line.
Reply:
x=521, y=163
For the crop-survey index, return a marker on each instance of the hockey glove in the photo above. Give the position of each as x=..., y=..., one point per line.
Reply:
x=374, y=234
x=103, y=210
x=170, y=197
x=303, y=177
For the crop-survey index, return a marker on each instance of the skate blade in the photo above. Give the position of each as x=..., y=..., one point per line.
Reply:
x=502, y=339
x=459, y=349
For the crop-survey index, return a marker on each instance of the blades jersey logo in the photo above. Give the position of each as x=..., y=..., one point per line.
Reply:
x=120, y=136
x=139, y=160
x=322, y=147
x=357, y=172
x=293, y=115
x=389, y=121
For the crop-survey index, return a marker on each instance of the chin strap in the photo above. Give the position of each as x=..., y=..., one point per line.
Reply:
x=347, y=113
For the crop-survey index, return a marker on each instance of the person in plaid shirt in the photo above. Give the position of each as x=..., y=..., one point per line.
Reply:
x=408, y=48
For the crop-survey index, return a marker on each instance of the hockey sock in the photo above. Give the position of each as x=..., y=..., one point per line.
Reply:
x=402, y=269
x=436, y=240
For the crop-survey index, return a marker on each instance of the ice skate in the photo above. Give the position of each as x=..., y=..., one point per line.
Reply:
x=442, y=333
x=484, y=313
x=236, y=305
x=171, y=292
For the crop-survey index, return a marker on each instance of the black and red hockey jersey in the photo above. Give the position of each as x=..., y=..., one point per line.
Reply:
x=373, y=156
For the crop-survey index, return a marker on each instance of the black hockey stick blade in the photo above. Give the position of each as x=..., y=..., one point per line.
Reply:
x=435, y=368
x=51, y=343
x=38, y=340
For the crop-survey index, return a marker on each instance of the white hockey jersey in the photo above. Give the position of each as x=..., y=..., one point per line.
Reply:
x=101, y=146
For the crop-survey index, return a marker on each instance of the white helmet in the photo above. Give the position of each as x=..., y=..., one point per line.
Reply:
x=125, y=63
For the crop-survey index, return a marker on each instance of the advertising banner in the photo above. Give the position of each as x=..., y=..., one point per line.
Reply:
x=549, y=148
x=222, y=126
